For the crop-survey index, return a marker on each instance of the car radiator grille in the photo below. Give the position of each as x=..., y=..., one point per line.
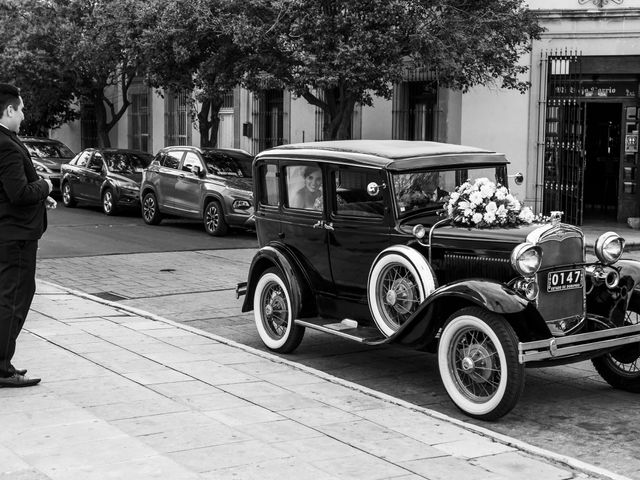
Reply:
x=459, y=266
x=562, y=253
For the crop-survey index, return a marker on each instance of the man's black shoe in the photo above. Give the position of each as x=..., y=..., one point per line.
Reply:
x=16, y=380
x=20, y=372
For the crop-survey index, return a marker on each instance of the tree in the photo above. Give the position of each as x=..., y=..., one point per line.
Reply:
x=29, y=60
x=339, y=53
x=187, y=50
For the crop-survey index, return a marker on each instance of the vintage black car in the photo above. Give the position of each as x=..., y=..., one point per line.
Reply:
x=353, y=243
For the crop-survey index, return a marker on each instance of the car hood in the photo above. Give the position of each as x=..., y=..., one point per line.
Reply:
x=240, y=183
x=492, y=238
x=53, y=162
x=131, y=177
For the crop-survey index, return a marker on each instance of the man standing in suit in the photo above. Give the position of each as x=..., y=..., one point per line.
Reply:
x=23, y=219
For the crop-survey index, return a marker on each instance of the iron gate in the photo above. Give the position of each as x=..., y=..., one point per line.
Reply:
x=564, y=128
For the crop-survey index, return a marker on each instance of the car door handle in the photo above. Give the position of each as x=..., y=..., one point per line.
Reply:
x=181, y=175
x=328, y=226
x=318, y=224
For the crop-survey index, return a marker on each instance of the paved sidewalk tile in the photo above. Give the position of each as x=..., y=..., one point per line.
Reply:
x=126, y=395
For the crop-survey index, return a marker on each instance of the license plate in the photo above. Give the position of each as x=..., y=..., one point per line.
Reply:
x=564, y=280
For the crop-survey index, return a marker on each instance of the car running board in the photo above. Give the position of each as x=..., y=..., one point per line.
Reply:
x=346, y=328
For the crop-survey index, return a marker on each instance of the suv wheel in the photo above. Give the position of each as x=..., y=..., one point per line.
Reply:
x=150, y=210
x=67, y=197
x=274, y=313
x=478, y=362
x=214, y=222
x=108, y=202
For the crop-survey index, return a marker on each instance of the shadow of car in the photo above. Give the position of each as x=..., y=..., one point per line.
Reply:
x=213, y=185
x=47, y=156
x=109, y=177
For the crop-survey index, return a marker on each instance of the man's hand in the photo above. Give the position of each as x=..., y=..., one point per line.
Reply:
x=50, y=185
x=50, y=203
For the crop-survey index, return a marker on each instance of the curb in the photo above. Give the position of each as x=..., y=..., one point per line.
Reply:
x=548, y=455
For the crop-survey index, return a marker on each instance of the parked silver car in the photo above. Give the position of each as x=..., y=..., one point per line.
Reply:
x=210, y=184
x=47, y=156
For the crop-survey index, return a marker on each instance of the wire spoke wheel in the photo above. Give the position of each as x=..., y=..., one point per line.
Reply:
x=621, y=368
x=399, y=295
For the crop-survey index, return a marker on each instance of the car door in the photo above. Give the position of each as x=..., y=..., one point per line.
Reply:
x=360, y=228
x=93, y=177
x=166, y=178
x=75, y=172
x=303, y=224
x=188, y=185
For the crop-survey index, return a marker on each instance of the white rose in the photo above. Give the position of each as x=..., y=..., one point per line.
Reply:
x=477, y=218
x=526, y=215
x=491, y=207
x=454, y=197
x=468, y=212
x=501, y=193
x=501, y=212
x=464, y=205
x=488, y=190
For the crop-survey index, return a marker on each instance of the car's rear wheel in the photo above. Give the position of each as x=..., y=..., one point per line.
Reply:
x=399, y=282
x=67, y=196
x=478, y=362
x=108, y=202
x=214, y=222
x=150, y=210
x=621, y=368
x=275, y=310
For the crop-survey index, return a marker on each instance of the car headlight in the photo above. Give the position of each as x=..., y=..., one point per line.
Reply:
x=419, y=231
x=241, y=204
x=132, y=187
x=526, y=259
x=609, y=247
x=41, y=168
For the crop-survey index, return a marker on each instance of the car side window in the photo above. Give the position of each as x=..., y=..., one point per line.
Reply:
x=269, y=189
x=304, y=186
x=191, y=159
x=172, y=159
x=95, y=162
x=351, y=196
x=83, y=159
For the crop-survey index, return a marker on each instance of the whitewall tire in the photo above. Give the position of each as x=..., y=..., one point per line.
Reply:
x=478, y=362
x=399, y=282
x=274, y=313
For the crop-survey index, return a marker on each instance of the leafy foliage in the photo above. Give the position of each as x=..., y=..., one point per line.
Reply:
x=337, y=53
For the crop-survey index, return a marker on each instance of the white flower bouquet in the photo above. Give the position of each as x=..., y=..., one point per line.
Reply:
x=483, y=204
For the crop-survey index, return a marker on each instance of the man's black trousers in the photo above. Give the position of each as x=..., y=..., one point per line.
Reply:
x=17, y=287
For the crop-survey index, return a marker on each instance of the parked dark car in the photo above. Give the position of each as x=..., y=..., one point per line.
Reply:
x=213, y=185
x=109, y=177
x=47, y=156
x=422, y=244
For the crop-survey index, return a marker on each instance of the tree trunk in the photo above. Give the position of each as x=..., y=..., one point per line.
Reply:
x=204, y=125
x=102, y=127
x=209, y=121
x=338, y=112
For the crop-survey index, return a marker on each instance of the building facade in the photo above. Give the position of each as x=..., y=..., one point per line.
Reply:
x=574, y=134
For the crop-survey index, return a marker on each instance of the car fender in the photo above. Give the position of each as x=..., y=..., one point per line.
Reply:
x=277, y=255
x=209, y=195
x=629, y=271
x=422, y=327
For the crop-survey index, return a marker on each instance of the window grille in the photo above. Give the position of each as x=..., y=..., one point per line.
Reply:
x=88, y=128
x=140, y=119
x=177, y=121
x=415, y=112
x=268, y=120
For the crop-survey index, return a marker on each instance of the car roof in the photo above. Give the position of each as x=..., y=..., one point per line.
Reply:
x=113, y=150
x=396, y=155
x=39, y=140
x=206, y=149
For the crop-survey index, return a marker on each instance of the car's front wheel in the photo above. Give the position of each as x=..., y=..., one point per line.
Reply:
x=150, y=210
x=621, y=368
x=478, y=362
x=67, y=196
x=274, y=311
x=108, y=202
x=214, y=222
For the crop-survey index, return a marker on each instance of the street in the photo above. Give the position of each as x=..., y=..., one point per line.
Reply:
x=177, y=271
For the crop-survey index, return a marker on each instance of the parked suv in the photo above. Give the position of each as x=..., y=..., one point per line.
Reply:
x=422, y=244
x=47, y=155
x=210, y=184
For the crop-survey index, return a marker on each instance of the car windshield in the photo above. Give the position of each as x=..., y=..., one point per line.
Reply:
x=429, y=189
x=228, y=164
x=49, y=150
x=126, y=162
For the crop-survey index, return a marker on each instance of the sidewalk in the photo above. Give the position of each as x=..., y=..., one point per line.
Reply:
x=126, y=394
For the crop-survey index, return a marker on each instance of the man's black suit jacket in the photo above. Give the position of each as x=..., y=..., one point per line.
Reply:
x=23, y=214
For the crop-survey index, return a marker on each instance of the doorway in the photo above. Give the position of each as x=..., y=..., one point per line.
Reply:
x=602, y=160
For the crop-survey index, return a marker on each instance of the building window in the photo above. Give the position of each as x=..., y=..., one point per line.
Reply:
x=415, y=110
x=88, y=129
x=177, y=129
x=140, y=118
x=268, y=119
